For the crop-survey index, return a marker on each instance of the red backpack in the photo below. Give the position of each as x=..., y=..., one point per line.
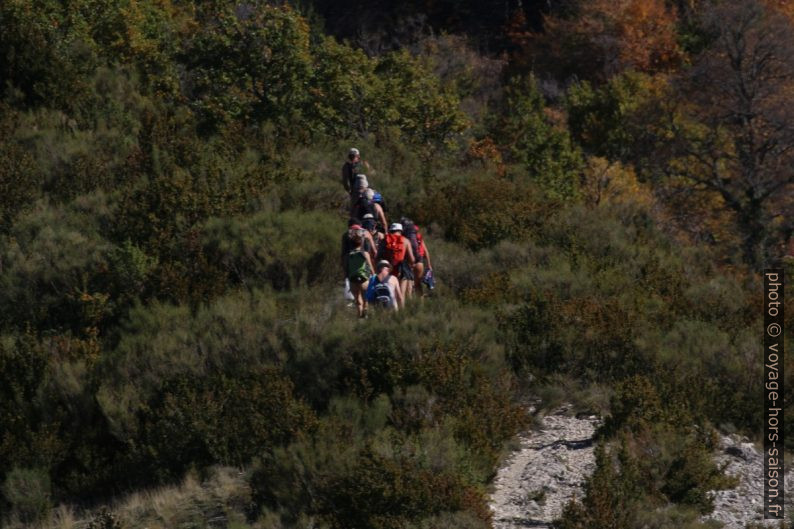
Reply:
x=395, y=248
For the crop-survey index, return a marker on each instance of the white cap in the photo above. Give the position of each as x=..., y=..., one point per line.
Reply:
x=353, y=152
x=396, y=227
x=368, y=216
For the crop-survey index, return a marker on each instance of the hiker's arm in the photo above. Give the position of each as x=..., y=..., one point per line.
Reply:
x=345, y=181
x=380, y=246
x=409, y=251
x=381, y=216
x=373, y=248
x=427, y=255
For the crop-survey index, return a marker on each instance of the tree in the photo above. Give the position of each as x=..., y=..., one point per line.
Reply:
x=529, y=139
x=601, y=38
x=736, y=138
x=250, y=62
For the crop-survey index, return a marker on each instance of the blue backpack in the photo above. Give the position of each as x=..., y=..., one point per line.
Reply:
x=378, y=292
x=378, y=199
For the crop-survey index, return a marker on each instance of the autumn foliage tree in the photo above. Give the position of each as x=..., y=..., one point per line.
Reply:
x=601, y=38
x=736, y=137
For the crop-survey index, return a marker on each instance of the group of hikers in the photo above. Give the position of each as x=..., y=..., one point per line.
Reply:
x=384, y=264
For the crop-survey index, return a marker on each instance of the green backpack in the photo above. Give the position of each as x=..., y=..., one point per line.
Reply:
x=357, y=268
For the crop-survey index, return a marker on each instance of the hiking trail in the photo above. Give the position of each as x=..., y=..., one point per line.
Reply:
x=545, y=473
x=744, y=504
x=535, y=482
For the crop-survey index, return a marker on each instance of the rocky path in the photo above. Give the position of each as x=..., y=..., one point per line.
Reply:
x=539, y=479
x=737, y=507
x=548, y=470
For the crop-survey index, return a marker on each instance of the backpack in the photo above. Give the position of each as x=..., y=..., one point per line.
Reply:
x=362, y=207
x=378, y=199
x=394, y=249
x=357, y=268
x=381, y=293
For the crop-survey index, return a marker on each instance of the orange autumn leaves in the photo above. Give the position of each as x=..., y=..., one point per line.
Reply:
x=601, y=38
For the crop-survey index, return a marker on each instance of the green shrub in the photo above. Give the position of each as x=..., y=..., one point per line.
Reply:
x=484, y=210
x=627, y=486
x=220, y=418
x=55, y=272
x=357, y=471
x=282, y=250
x=611, y=495
x=19, y=174
x=384, y=493
x=28, y=492
x=200, y=389
x=543, y=152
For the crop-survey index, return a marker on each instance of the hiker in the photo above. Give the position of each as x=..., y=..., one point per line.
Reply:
x=376, y=238
x=354, y=226
x=397, y=250
x=352, y=168
x=384, y=289
x=359, y=270
x=364, y=204
x=346, y=243
x=422, y=264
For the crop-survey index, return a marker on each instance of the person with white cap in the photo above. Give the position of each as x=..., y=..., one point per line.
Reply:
x=397, y=250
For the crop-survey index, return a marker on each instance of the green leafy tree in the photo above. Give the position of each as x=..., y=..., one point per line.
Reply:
x=543, y=152
x=249, y=62
x=345, y=91
x=427, y=113
x=617, y=119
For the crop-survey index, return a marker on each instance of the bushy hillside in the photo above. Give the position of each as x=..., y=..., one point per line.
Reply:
x=174, y=343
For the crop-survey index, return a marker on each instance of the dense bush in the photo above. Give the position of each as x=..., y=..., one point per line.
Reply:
x=28, y=493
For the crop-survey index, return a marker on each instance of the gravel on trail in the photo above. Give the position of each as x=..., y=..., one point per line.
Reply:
x=552, y=463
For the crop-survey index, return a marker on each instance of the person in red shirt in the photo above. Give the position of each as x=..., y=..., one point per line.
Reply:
x=397, y=250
